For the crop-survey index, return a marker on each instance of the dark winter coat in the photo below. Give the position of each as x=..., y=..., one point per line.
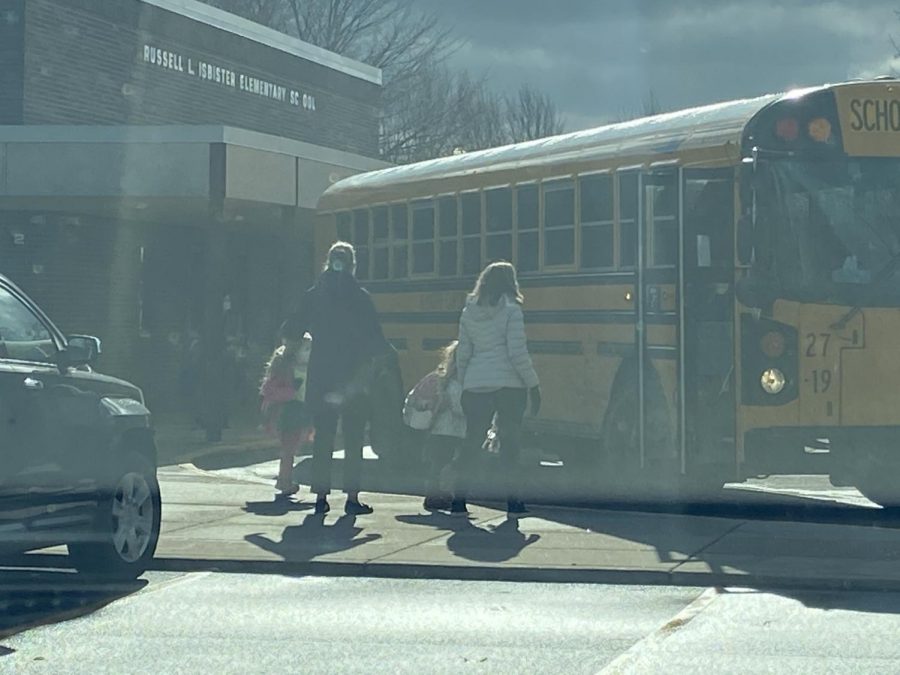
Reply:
x=346, y=337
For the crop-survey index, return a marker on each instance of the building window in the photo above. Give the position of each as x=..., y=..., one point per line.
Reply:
x=423, y=237
x=662, y=204
x=381, y=243
x=399, y=241
x=499, y=224
x=527, y=226
x=361, y=242
x=559, y=223
x=448, y=229
x=596, y=217
x=628, y=208
x=471, y=232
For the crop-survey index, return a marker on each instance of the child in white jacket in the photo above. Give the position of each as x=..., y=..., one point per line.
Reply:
x=439, y=396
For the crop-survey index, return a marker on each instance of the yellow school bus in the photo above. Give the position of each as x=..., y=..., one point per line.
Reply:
x=710, y=294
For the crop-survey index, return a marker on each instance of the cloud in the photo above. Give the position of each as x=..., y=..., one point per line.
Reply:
x=597, y=58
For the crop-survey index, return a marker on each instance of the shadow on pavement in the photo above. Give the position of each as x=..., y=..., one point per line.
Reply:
x=238, y=458
x=313, y=538
x=491, y=543
x=37, y=595
x=871, y=602
x=280, y=506
x=812, y=562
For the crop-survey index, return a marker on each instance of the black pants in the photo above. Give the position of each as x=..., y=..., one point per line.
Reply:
x=353, y=415
x=439, y=453
x=509, y=406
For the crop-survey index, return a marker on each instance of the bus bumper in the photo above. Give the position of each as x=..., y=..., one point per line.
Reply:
x=844, y=453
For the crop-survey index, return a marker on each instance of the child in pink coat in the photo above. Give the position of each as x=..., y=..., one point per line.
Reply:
x=283, y=392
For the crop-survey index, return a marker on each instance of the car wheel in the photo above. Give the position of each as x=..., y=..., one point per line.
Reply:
x=127, y=524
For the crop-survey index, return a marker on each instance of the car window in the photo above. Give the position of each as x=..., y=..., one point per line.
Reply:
x=23, y=337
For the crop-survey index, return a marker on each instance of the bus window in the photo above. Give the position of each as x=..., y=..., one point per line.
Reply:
x=471, y=229
x=528, y=222
x=361, y=242
x=498, y=210
x=664, y=232
x=709, y=209
x=344, y=226
x=559, y=223
x=423, y=237
x=628, y=207
x=381, y=245
x=399, y=239
x=448, y=228
x=596, y=221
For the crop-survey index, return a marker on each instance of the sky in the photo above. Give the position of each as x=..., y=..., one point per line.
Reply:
x=599, y=59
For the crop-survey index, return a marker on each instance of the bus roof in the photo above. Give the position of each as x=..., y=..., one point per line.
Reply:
x=702, y=127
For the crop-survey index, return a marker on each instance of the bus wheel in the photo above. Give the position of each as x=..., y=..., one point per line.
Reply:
x=704, y=483
x=619, y=464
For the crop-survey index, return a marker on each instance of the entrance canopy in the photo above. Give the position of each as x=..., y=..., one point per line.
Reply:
x=170, y=173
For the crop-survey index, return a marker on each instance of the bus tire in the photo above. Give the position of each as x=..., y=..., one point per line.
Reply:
x=619, y=461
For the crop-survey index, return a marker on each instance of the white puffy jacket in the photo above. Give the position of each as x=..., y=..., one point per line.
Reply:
x=493, y=350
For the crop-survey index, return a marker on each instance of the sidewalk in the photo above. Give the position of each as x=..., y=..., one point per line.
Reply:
x=216, y=522
x=179, y=442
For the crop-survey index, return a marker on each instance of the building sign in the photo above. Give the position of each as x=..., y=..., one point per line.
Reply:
x=209, y=72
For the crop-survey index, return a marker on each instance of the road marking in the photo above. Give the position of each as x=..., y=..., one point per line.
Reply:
x=627, y=660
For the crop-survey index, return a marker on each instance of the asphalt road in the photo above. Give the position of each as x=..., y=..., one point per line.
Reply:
x=213, y=622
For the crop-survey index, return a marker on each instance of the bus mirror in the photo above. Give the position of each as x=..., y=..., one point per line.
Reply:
x=755, y=292
x=745, y=239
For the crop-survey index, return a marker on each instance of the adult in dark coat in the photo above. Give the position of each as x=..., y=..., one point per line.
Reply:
x=346, y=338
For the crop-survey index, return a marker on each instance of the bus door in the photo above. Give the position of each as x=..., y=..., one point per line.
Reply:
x=656, y=347
x=684, y=325
x=706, y=410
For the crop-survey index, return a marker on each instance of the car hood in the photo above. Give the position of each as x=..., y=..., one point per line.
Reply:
x=106, y=385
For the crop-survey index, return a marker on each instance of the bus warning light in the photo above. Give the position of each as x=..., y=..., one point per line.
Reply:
x=820, y=130
x=787, y=129
x=772, y=344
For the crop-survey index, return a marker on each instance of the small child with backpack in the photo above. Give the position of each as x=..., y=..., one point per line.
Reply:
x=283, y=392
x=434, y=405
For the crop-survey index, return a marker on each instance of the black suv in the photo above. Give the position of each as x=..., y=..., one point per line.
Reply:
x=77, y=457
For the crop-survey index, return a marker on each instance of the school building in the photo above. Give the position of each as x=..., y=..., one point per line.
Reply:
x=160, y=162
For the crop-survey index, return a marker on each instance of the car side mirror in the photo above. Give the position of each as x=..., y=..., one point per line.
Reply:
x=81, y=350
x=756, y=292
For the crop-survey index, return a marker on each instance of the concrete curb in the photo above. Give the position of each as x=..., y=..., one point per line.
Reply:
x=167, y=458
x=524, y=574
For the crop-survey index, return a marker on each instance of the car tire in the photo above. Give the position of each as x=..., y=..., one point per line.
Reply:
x=127, y=525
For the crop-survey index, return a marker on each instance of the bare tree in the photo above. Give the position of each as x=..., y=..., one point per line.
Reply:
x=267, y=12
x=482, y=120
x=531, y=114
x=392, y=35
x=427, y=114
x=648, y=107
x=427, y=109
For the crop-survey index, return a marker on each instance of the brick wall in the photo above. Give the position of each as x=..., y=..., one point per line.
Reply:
x=85, y=64
x=12, y=59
